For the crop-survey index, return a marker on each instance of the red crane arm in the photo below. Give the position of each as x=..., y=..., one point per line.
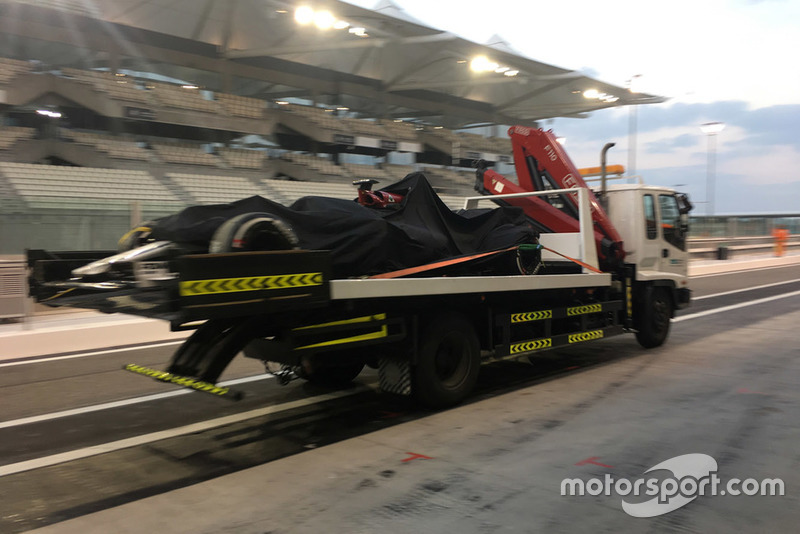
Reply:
x=542, y=164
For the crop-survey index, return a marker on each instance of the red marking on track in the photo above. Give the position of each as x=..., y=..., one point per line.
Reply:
x=415, y=456
x=390, y=415
x=591, y=460
x=571, y=368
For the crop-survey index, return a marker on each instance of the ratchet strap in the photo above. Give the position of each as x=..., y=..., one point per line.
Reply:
x=455, y=261
x=439, y=264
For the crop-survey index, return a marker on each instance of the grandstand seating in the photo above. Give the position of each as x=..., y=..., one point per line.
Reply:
x=11, y=68
x=205, y=189
x=243, y=158
x=366, y=128
x=398, y=172
x=473, y=142
x=316, y=163
x=51, y=186
x=289, y=191
x=241, y=106
x=358, y=170
x=400, y=130
x=175, y=96
x=457, y=178
x=115, y=147
x=322, y=118
x=185, y=153
x=121, y=88
x=115, y=86
x=11, y=134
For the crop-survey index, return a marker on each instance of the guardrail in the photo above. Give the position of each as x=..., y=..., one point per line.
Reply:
x=726, y=247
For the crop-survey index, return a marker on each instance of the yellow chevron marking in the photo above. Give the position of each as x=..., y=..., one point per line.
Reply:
x=585, y=336
x=528, y=346
x=580, y=310
x=531, y=316
x=190, y=288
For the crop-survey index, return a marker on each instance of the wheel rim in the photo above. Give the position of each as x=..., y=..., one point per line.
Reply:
x=451, y=363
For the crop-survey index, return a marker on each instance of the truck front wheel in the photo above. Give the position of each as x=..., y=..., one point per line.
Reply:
x=447, y=363
x=655, y=312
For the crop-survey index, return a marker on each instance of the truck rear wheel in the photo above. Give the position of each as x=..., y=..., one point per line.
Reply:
x=655, y=314
x=448, y=362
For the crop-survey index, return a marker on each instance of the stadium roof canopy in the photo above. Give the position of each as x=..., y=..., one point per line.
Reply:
x=383, y=63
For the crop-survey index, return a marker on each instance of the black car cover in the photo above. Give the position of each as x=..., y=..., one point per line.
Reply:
x=366, y=241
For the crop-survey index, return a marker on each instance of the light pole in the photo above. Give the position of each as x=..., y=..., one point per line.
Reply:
x=711, y=129
x=632, y=120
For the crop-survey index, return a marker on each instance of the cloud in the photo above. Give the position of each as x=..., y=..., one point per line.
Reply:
x=757, y=155
x=668, y=145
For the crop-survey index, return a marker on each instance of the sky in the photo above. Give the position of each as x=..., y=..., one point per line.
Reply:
x=730, y=61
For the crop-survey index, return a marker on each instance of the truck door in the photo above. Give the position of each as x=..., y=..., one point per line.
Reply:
x=673, y=253
x=649, y=249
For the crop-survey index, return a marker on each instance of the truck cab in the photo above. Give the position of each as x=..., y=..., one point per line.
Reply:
x=653, y=224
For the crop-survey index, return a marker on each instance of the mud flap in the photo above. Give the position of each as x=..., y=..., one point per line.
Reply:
x=394, y=375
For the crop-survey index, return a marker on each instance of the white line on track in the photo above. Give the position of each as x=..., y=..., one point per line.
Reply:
x=235, y=418
x=745, y=271
x=124, y=402
x=745, y=289
x=93, y=353
x=734, y=306
x=202, y=426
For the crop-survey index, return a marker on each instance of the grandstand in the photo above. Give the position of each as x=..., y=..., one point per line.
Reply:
x=49, y=186
x=137, y=115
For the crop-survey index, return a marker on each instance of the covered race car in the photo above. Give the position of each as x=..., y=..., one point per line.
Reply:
x=363, y=241
x=417, y=232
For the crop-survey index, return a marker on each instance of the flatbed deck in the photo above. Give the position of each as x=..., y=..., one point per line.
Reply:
x=409, y=287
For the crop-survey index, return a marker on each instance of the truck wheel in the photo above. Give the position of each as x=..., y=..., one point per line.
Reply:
x=330, y=377
x=448, y=362
x=252, y=231
x=656, y=311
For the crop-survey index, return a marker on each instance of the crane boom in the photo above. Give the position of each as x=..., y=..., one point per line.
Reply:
x=541, y=164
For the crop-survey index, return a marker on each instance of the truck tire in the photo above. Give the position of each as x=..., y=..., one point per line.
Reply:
x=250, y=232
x=332, y=377
x=447, y=363
x=655, y=313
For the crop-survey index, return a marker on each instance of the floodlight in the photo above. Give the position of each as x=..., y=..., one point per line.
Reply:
x=304, y=15
x=324, y=20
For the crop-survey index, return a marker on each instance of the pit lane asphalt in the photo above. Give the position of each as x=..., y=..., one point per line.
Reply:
x=52, y=494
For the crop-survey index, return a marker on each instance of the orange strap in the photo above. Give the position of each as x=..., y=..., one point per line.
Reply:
x=431, y=266
x=456, y=261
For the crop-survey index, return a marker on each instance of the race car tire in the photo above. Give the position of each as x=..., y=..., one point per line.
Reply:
x=252, y=232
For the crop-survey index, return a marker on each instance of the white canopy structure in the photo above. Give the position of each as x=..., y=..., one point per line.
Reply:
x=376, y=63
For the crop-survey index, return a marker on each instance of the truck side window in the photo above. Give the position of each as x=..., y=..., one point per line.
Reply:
x=650, y=217
x=671, y=221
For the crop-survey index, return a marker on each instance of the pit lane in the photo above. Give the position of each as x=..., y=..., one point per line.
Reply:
x=72, y=489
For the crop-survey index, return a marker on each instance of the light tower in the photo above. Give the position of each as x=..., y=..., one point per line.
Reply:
x=711, y=129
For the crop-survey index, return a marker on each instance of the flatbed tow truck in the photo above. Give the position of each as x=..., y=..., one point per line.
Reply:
x=603, y=265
